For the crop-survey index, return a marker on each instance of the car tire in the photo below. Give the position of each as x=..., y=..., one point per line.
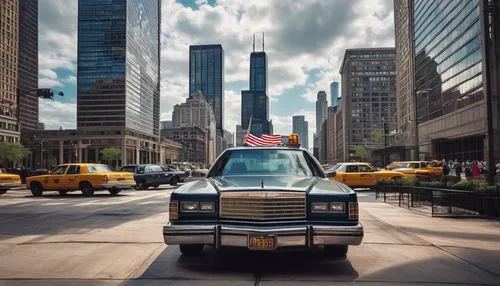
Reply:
x=87, y=189
x=141, y=185
x=36, y=189
x=114, y=192
x=337, y=251
x=63, y=193
x=2, y=192
x=174, y=180
x=191, y=249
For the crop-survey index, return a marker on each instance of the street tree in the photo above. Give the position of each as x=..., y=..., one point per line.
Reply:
x=13, y=152
x=111, y=154
x=363, y=153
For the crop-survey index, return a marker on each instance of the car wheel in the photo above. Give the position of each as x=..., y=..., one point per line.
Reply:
x=141, y=186
x=114, y=192
x=191, y=249
x=87, y=190
x=338, y=251
x=63, y=193
x=2, y=192
x=36, y=189
x=174, y=180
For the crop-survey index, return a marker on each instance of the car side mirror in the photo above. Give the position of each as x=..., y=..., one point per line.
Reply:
x=331, y=174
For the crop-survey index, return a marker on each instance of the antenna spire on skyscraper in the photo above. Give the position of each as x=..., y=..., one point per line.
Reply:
x=254, y=42
x=262, y=41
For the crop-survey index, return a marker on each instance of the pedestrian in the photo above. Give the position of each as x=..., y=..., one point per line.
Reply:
x=476, y=171
x=446, y=168
x=468, y=169
x=458, y=168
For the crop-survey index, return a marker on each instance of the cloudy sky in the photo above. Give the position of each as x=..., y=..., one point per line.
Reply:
x=304, y=41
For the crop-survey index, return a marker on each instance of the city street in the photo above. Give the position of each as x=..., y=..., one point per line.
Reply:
x=105, y=240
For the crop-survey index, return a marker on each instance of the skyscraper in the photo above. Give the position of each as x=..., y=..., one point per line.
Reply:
x=119, y=65
x=258, y=69
x=449, y=79
x=9, y=55
x=206, y=74
x=255, y=105
x=321, y=110
x=28, y=64
x=255, y=102
x=334, y=93
x=368, y=98
x=300, y=126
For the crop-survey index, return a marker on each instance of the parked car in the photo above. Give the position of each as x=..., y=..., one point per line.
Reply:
x=421, y=168
x=363, y=175
x=150, y=175
x=231, y=206
x=199, y=173
x=175, y=172
x=85, y=177
x=9, y=181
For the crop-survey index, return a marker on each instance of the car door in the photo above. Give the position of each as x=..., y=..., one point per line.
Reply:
x=351, y=175
x=150, y=175
x=164, y=176
x=366, y=175
x=55, y=180
x=71, y=178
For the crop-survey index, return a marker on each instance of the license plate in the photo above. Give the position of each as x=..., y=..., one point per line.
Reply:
x=262, y=242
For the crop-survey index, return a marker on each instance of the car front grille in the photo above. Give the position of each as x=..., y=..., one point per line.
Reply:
x=263, y=205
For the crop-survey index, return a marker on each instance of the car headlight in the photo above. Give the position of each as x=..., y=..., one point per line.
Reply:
x=202, y=207
x=325, y=207
x=207, y=207
x=336, y=207
x=319, y=207
x=189, y=206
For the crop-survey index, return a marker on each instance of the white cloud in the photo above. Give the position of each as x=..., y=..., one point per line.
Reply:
x=70, y=79
x=54, y=114
x=301, y=36
x=49, y=83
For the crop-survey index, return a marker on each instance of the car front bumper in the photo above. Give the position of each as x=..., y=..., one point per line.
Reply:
x=128, y=184
x=10, y=185
x=300, y=236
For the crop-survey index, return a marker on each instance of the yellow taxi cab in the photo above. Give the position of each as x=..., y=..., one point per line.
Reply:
x=362, y=175
x=424, y=168
x=85, y=177
x=9, y=181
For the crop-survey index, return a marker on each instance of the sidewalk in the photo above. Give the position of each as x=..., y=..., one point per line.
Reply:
x=476, y=241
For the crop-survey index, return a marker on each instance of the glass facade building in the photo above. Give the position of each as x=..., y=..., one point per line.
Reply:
x=258, y=71
x=255, y=105
x=206, y=74
x=448, y=60
x=28, y=64
x=448, y=78
x=334, y=93
x=119, y=64
x=301, y=127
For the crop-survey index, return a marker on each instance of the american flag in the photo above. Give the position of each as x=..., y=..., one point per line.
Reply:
x=264, y=140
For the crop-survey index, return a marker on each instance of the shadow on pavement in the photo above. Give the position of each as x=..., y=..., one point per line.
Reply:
x=241, y=264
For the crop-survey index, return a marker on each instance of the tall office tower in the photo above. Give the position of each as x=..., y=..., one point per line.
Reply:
x=27, y=76
x=119, y=65
x=300, y=126
x=206, y=74
x=334, y=93
x=368, y=97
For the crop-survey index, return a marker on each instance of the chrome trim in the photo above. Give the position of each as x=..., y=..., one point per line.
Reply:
x=263, y=205
x=224, y=235
x=118, y=184
x=11, y=184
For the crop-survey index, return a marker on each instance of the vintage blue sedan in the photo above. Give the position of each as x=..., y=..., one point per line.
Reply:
x=264, y=198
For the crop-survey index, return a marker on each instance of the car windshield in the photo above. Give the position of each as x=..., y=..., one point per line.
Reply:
x=98, y=168
x=335, y=167
x=264, y=162
x=410, y=165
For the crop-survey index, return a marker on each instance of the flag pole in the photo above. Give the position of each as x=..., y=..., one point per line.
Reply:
x=249, y=128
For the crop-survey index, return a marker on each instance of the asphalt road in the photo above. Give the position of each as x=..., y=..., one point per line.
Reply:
x=105, y=240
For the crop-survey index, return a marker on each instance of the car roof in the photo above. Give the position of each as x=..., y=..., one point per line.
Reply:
x=82, y=164
x=354, y=163
x=265, y=148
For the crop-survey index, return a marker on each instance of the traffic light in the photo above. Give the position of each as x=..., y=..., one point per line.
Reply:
x=47, y=93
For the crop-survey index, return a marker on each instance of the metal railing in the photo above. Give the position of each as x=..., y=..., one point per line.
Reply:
x=442, y=202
